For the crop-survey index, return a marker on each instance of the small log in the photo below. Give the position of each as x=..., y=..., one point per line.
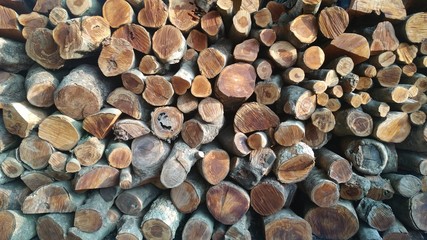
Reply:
x=54, y=225
x=311, y=59
x=268, y=91
x=283, y=53
x=293, y=75
x=323, y=119
x=336, y=167
x=154, y=14
x=126, y=178
x=99, y=175
x=148, y=155
x=246, y=51
x=342, y=65
x=404, y=185
x=127, y=129
x=316, y=86
x=16, y=225
x=136, y=35
x=89, y=150
x=328, y=75
x=241, y=26
x=365, y=69
x=58, y=160
x=246, y=122
x=201, y=87
x=376, y=214
x=263, y=68
x=115, y=20
x=343, y=214
x=381, y=188
x=7, y=140
x=126, y=101
x=133, y=80
x=9, y=26
x=353, y=122
x=211, y=23
x=299, y=102
x=61, y=131
x=389, y=76
x=322, y=191
x=418, y=118
x=333, y=21
x=315, y=138
x=276, y=9
x=258, y=140
x=12, y=195
x=12, y=167
x=91, y=87
x=353, y=99
x=86, y=8
x=322, y=99
x=289, y=132
x=355, y=188
x=40, y=85
x=35, y=152
x=215, y=165
x=353, y=45
x=187, y=103
x=31, y=22
x=367, y=155
x=418, y=80
x=385, y=130
x=212, y=60
x=55, y=197
x=383, y=59
x=364, y=83
x=411, y=211
x=167, y=122
x=118, y=154
x=235, y=84
x=200, y=226
x=219, y=230
x=293, y=163
x=296, y=226
x=80, y=37
x=236, y=198
x=396, y=231
x=58, y=15
x=189, y=194
x=407, y=106
x=17, y=61
x=197, y=40
x=409, y=70
x=158, y=91
x=376, y=109
x=149, y=65
x=182, y=80
x=349, y=82
x=166, y=52
x=406, y=53
x=128, y=228
x=99, y=124
x=162, y=220
x=262, y=18
x=182, y=14
x=235, y=143
x=178, y=164
x=116, y=57
x=269, y=196
x=333, y=104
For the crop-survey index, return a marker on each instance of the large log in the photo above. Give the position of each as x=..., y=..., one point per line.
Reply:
x=13, y=57
x=190, y=194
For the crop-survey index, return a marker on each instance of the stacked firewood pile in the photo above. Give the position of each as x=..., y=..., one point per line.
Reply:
x=200, y=119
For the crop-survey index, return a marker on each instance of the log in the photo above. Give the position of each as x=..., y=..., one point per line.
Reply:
x=178, y=164
x=302, y=30
x=182, y=80
x=35, y=179
x=293, y=75
x=58, y=160
x=384, y=38
x=197, y=40
x=15, y=225
x=381, y=188
x=342, y=214
x=254, y=116
x=215, y=165
x=92, y=89
x=353, y=45
x=73, y=165
x=276, y=9
x=201, y=87
x=61, y=131
x=154, y=14
x=342, y=65
x=262, y=18
x=99, y=175
x=166, y=52
x=258, y=140
x=394, y=10
x=404, y=184
x=12, y=195
x=355, y=188
x=58, y=15
x=376, y=214
x=13, y=57
x=86, y=8
x=241, y=26
x=376, y=109
x=299, y=102
x=236, y=198
x=240, y=230
x=353, y=122
x=211, y=23
x=418, y=80
x=268, y=91
x=311, y=59
x=35, y=152
x=328, y=75
x=389, y=76
x=322, y=99
x=321, y=191
x=246, y=51
x=365, y=69
x=31, y=22
x=80, y=37
x=162, y=220
x=337, y=168
x=333, y=104
x=41, y=47
x=323, y=119
x=40, y=85
x=190, y=194
x=296, y=226
x=263, y=68
x=158, y=91
x=12, y=167
x=412, y=28
x=200, y=226
x=413, y=162
x=212, y=60
x=187, y=103
x=219, y=230
x=315, y=138
x=128, y=228
x=283, y=53
x=406, y=53
x=293, y=163
x=126, y=101
x=386, y=131
x=118, y=154
x=116, y=57
x=100, y=123
x=110, y=13
x=54, y=225
x=55, y=197
x=367, y=232
x=182, y=14
x=166, y=122
x=289, y=132
x=409, y=70
x=396, y=231
x=9, y=26
x=353, y=99
x=136, y=35
x=235, y=143
x=383, y=59
x=13, y=88
x=149, y=65
x=333, y=21
x=411, y=211
x=269, y=196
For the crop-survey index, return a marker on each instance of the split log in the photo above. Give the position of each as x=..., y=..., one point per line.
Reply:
x=315, y=138
x=128, y=228
x=154, y=14
x=9, y=26
x=136, y=35
x=353, y=122
x=411, y=211
x=187, y=103
x=118, y=154
x=162, y=220
x=215, y=165
x=404, y=184
x=386, y=131
x=381, y=188
x=201, y=87
x=92, y=89
x=61, y=131
x=188, y=196
x=200, y=226
x=268, y=91
x=54, y=225
x=178, y=164
x=12, y=88
x=311, y=59
x=333, y=16
x=234, y=143
x=126, y=101
x=158, y=91
x=236, y=199
x=35, y=179
x=263, y=68
x=73, y=165
x=296, y=226
x=246, y=51
x=99, y=175
x=367, y=155
x=90, y=216
x=13, y=57
x=148, y=155
x=167, y=122
x=342, y=214
x=55, y=197
x=376, y=214
x=12, y=195
x=322, y=191
x=337, y=168
x=394, y=10
x=182, y=80
x=355, y=188
x=283, y=53
x=293, y=163
x=323, y=119
x=16, y=225
x=41, y=47
x=182, y=14
x=254, y=116
x=40, y=85
x=58, y=15
x=269, y=196
x=116, y=57
x=289, y=132
x=162, y=47
x=149, y=65
x=413, y=162
x=212, y=60
x=197, y=40
x=99, y=124
x=396, y=231
x=21, y=118
x=211, y=23
x=35, y=152
x=80, y=37
x=353, y=45
x=297, y=101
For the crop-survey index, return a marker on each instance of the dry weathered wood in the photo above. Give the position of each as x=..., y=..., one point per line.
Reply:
x=333, y=21
x=353, y=99
x=212, y=60
x=315, y=138
x=128, y=228
x=293, y=75
x=353, y=122
x=376, y=214
x=12, y=167
x=270, y=196
x=110, y=12
x=262, y=18
x=162, y=220
x=54, y=225
x=127, y=129
x=215, y=165
x=268, y=92
x=293, y=163
x=182, y=14
x=283, y=53
x=381, y=188
x=263, y=68
x=99, y=175
x=337, y=168
x=412, y=28
x=187, y=103
x=382, y=38
x=91, y=88
x=418, y=118
x=411, y=211
x=385, y=129
x=158, y=91
x=61, y=131
x=343, y=215
x=311, y=59
x=367, y=232
x=41, y=47
x=73, y=165
x=241, y=26
x=383, y=59
x=247, y=121
x=80, y=37
x=353, y=45
x=16, y=225
x=355, y=189
x=166, y=122
x=200, y=226
x=197, y=40
x=404, y=185
x=169, y=44
x=116, y=57
x=299, y=102
x=236, y=198
x=296, y=226
x=9, y=26
x=392, y=10
x=246, y=51
x=35, y=152
x=365, y=97
x=57, y=15
x=240, y=229
x=349, y=82
x=201, y=87
x=316, y=86
x=58, y=160
x=178, y=164
x=407, y=106
x=302, y=30
x=406, y=53
x=12, y=88
x=182, y=80
x=154, y=14
x=322, y=191
x=40, y=85
x=289, y=133
x=322, y=99
x=299, y=7
x=189, y=194
x=13, y=57
x=258, y=140
x=126, y=101
x=149, y=65
x=136, y=35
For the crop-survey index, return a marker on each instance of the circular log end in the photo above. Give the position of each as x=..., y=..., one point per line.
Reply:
x=215, y=166
x=7, y=224
x=185, y=197
x=156, y=229
x=325, y=194
x=48, y=229
x=295, y=169
x=267, y=199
